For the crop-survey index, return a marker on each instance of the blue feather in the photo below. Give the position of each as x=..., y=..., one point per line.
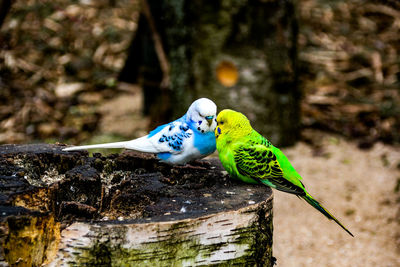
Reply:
x=204, y=142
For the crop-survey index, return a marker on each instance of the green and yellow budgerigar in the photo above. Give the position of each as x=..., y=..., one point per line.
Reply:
x=248, y=156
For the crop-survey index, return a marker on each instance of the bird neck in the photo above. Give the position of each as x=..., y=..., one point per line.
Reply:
x=188, y=117
x=232, y=137
x=185, y=118
x=240, y=133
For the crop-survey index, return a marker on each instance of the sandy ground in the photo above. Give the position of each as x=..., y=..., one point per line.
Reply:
x=357, y=186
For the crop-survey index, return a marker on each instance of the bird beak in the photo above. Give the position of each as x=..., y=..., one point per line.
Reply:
x=209, y=120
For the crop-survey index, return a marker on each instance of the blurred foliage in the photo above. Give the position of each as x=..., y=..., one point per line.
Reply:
x=60, y=59
x=350, y=68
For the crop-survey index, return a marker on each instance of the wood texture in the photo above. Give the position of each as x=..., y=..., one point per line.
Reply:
x=234, y=237
x=63, y=209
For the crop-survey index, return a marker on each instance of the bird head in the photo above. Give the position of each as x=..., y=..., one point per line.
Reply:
x=233, y=124
x=203, y=113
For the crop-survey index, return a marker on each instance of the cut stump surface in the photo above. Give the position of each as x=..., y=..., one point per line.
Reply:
x=66, y=208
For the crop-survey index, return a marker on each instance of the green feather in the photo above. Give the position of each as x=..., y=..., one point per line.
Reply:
x=250, y=157
x=319, y=207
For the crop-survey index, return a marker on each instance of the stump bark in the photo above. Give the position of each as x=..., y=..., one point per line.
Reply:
x=61, y=208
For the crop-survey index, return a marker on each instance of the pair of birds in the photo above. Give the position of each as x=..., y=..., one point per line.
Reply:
x=244, y=153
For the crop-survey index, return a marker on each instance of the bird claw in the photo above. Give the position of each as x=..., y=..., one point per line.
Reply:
x=191, y=166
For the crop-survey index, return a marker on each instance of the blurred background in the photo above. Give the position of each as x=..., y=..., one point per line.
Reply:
x=321, y=75
x=62, y=62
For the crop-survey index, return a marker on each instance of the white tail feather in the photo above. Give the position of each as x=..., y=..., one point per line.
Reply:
x=108, y=145
x=141, y=144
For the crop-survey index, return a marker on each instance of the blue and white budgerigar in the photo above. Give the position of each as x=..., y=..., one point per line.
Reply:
x=185, y=139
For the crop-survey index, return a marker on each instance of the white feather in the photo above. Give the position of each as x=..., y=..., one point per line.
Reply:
x=184, y=151
x=144, y=144
x=107, y=145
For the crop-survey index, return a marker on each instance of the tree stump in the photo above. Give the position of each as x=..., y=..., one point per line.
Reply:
x=61, y=208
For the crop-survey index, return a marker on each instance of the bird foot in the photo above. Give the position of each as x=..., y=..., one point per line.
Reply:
x=194, y=165
x=201, y=163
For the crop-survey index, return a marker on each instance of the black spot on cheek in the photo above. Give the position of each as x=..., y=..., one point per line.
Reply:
x=198, y=128
x=202, y=131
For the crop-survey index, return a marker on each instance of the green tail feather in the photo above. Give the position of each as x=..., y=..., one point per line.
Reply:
x=318, y=206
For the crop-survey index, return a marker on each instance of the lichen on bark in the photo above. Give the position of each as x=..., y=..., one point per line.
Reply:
x=126, y=209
